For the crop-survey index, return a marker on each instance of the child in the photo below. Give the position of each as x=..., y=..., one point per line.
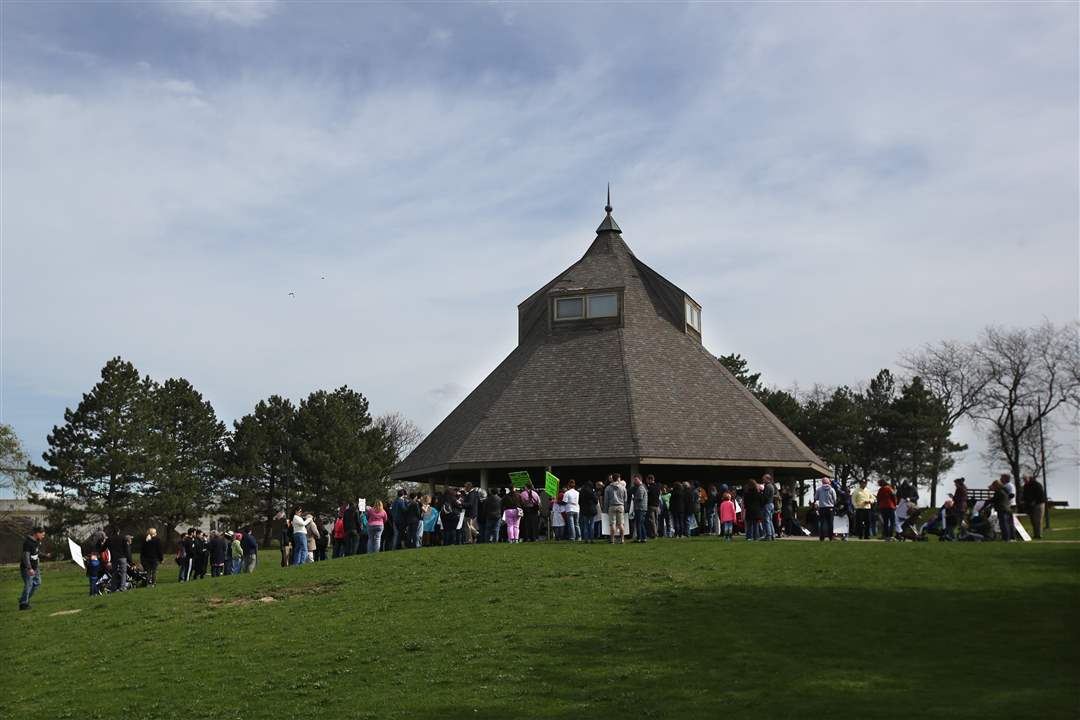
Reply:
x=93, y=571
x=727, y=516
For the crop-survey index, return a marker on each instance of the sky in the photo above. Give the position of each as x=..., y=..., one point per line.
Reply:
x=836, y=184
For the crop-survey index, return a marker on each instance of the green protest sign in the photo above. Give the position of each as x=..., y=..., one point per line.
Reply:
x=551, y=485
x=519, y=478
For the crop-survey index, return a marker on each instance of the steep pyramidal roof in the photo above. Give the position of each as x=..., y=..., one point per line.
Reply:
x=636, y=387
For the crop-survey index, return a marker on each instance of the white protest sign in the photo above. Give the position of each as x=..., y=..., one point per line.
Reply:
x=605, y=524
x=361, y=504
x=76, y=553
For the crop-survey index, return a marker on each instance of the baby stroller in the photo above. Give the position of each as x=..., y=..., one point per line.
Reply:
x=136, y=578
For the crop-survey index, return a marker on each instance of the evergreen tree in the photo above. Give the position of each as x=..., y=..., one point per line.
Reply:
x=187, y=448
x=740, y=368
x=260, y=466
x=97, y=461
x=341, y=454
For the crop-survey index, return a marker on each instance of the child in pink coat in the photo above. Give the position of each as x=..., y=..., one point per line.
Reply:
x=727, y=516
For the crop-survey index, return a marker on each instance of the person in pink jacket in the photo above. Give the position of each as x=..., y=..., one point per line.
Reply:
x=727, y=516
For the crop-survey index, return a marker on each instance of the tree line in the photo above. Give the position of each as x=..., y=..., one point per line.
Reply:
x=1011, y=383
x=136, y=451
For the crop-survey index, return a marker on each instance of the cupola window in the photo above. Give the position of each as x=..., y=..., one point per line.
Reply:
x=693, y=315
x=606, y=305
x=580, y=307
x=572, y=308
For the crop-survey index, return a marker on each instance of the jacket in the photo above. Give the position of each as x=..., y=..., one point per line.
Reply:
x=217, y=550
x=249, y=545
x=614, y=496
x=587, y=500
x=493, y=506
x=151, y=551
x=825, y=496
x=119, y=548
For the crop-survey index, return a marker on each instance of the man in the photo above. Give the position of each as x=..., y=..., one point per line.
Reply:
x=397, y=518
x=863, y=498
x=641, y=510
x=960, y=503
x=250, y=547
x=119, y=559
x=414, y=514
x=652, y=488
x=492, y=514
x=1035, y=502
x=588, y=503
x=677, y=509
x=825, y=499
x=768, y=509
x=615, y=504
x=886, y=503
x=1005, y=515
x=29, y=566
x=530, y=508
x=472, y=510
x=218, y=553
x=572, y=509
x=202, y=554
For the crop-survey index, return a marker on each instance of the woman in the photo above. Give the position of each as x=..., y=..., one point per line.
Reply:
x=376, y=521
x=429, y=523
x=313, y=537
x=512, y=516
x=286, y=541
x=151, y=555
x=451, y=516
x=299, y=537
x=752, y=508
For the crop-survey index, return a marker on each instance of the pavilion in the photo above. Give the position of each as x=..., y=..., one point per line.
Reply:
x=609, y=375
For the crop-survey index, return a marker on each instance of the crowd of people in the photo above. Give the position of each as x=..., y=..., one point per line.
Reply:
x=758, y=510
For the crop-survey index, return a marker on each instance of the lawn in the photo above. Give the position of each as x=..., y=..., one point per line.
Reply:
x=1064, y=525
x=672, y=629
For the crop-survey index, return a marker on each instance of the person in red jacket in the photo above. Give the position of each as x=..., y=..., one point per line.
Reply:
x=886, y=504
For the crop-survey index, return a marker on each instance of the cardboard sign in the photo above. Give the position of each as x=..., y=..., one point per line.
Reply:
x=519, y=478
x=361, y=504
x=551, y=485
x=76, y=553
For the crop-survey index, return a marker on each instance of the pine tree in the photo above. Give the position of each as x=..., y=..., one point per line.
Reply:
x=97, y=461
x=187, y=451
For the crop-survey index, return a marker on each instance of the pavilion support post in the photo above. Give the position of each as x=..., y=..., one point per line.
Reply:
x=634, y=470
x=484, y=479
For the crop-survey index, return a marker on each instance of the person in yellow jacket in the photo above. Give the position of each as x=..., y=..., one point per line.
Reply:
x=863, y=499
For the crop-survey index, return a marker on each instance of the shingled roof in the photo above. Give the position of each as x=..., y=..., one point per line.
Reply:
x=638, y=388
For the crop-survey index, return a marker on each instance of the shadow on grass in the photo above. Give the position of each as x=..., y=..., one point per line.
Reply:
x=779, y=651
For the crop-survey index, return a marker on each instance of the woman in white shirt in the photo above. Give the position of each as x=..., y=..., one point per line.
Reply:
x=299, y=529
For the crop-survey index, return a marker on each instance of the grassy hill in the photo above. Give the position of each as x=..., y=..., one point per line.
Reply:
x=672, y=629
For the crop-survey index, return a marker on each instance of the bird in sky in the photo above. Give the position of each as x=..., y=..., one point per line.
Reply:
x=292, y=294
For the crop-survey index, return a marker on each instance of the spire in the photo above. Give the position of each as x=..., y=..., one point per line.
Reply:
x=609, y=224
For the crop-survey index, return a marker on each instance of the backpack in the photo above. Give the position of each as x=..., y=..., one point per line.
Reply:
x=339, y=529
x=181, y=556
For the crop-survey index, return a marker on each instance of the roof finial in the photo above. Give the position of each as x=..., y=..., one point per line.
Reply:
x=609, y=224
x=608, y=208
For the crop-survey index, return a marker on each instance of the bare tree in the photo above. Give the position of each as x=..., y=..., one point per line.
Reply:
x=403, y=433
x=14, y=479
x=1031, y=373
x=952, y=372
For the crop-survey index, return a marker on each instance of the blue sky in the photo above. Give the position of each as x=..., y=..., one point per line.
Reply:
x=835, y=183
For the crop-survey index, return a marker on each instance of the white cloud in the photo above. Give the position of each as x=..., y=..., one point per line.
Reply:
x=244, y=13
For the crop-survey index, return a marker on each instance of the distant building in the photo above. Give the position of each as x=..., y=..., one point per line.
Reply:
x=609, y=375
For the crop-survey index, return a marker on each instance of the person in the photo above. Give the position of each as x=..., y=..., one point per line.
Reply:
x=151, y=555
x=376, y=520
x=587, y=507
x=313, y=536
x=452, y=508
x=397, y=519
x=237, y=553
x=1000, y=501
x=530, y=508
x=299, y=537
x=94, y=566
x=615, y=505
x=351, y=520
x=183, y=555
x=492, y=511
x=863, y=498
x=825, y=499
x=29, y=565
x=340, y=536
x=960, y=503
x=886, y=503
x=217, y=554
x=413, y=516
x=652, y=515
x=677, y=509
x=667, y=524
x=1035, y=504
x=119, y=559
x=472, y=510
x=202, y=554
x=512, y=516
x=286, y=541
x=752, y=500
x=1005, y=516
x=768, y=506
x=572, y=508
x=249, y=546
x=322, y=539
x=727, y=516
x=430, y=522
x=641, y=510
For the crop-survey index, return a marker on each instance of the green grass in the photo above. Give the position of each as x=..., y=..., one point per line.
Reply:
x=672, y=629
x=1064, y=525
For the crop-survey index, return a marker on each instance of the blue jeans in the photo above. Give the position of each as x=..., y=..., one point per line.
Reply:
x=825, y=523
x=573, y=532
x=725, y=529
x=641, y=525
x=491, y=530
x=236, y=566
x=299, y=548
x=767, y=521
x=374, y=538
x=30, y=584
x=587, y=527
